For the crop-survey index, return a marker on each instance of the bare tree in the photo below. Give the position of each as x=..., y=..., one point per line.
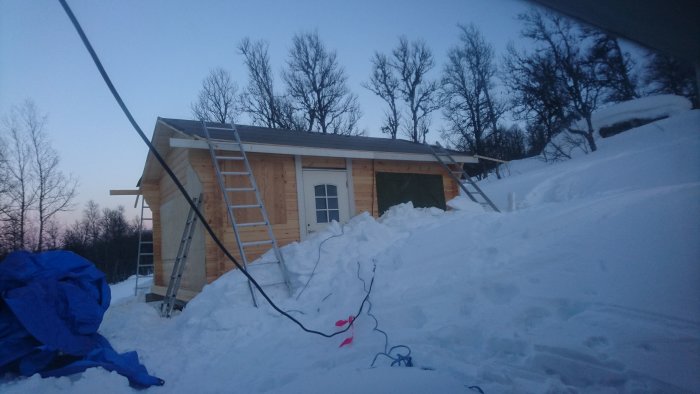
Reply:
x=54, y=191
x=20, y=196
x=413, y=61
x=614, y=67
x=5, y=186
x=668, y=75
x=384, y=83
x=5, y=183
x=536, y=96
x=470, y=108
x=258, y=98
x=53, y=234
x=38, y=190
x=90, y=225
x=316, y=85
x=217, y=99
x=576, y=73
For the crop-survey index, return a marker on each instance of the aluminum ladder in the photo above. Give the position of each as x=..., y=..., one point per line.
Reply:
x=166, y=308
x=144, y=259
x=471, y=189
x=232, y=200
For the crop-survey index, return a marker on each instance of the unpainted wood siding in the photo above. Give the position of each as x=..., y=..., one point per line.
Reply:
x=275, y=177
x=364, y=181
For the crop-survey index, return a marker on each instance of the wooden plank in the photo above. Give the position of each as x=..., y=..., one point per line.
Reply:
x=299, y=196
x=323, y=162
x=363, y=184
x=125, y=192
x=321, y=152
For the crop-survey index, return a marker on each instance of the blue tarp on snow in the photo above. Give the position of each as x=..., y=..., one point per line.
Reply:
x=51, y=305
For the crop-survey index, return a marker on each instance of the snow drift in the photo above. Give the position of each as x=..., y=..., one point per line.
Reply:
x=590, y=285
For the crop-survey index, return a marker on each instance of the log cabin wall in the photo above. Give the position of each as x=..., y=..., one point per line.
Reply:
x=275, y=175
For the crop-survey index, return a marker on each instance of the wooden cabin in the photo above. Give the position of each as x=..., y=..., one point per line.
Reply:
x=294, y=171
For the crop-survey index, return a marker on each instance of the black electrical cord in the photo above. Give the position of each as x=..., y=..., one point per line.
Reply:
x=318, y=259
x=172, y=176
x=402, y=360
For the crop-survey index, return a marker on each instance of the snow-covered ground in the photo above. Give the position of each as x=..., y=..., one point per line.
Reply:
x=592, y=284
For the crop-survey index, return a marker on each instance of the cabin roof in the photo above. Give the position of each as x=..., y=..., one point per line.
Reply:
x=264, y=135
x=181, y=133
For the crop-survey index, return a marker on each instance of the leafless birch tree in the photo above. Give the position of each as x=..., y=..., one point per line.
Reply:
x=317, y=87
x=258, y=99
x=217, y=98
x=413, y=61
x=384, y=83
x=54, y=191
x=470, y=107
x=36, y=189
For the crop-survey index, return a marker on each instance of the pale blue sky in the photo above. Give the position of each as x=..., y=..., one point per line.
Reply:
x=158, y=52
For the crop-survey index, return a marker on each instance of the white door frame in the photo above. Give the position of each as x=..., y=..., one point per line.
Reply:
x=301, y=197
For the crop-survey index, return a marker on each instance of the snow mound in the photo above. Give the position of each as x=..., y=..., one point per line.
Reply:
x=463, y=203
x=650, y=107
x=590, y=285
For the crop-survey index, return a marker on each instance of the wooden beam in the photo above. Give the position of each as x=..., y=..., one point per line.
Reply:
x=309, y=151
x=490, y=159
x=124, y=192
x=301, y=207
x=351, y=187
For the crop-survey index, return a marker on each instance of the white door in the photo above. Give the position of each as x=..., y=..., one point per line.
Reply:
x=325, y=198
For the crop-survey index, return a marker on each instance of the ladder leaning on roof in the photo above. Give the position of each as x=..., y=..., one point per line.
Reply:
x=166, y=308
x=232, y=199
x=474, y=192
x=144, y=259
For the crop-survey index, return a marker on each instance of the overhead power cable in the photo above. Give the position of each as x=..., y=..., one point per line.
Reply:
x=181, y=188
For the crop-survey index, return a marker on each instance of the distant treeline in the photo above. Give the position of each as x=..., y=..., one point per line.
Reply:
x=107, y=239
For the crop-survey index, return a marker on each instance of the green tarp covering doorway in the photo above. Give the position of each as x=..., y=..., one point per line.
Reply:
x=423, y=190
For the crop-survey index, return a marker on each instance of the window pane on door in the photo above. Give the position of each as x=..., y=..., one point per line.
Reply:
x=326, y=199
x=320, y=190
x=332, y=202
x=334, y=214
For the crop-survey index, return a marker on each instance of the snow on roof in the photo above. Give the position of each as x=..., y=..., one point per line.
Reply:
x=650, y=107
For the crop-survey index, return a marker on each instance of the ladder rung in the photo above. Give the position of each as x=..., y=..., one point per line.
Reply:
x=146, y=254
x=219, y=128
x=244, y=206
x=240, y=189
x=251, y=224
x=146, y=242
x=235, y=173
x=229, y=157
x=146, y=219
x=255, y=243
